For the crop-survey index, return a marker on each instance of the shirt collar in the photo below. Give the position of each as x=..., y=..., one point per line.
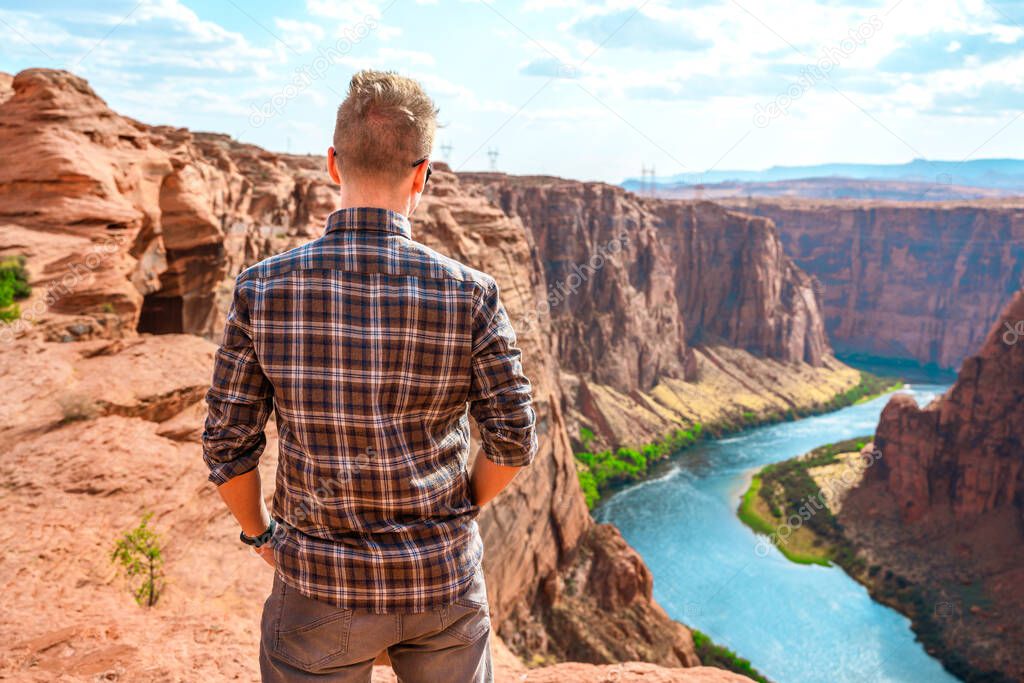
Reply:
x=368, y=218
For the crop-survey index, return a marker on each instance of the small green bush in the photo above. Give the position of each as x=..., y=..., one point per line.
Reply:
x=589, y=486
x=586, y=436
x=720, y=657
x=139, y=553
x=13, y=287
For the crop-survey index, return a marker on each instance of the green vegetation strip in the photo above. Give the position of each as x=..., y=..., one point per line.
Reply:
x=787, y=505
x=870, y=387
x=602, y=472
x=723, y=658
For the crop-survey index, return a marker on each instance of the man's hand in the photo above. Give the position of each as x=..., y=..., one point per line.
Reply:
x=266, y=551
x=244, y=497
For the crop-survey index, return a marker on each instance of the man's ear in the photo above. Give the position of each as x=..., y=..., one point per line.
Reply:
x=332, y=165
x=419, y=178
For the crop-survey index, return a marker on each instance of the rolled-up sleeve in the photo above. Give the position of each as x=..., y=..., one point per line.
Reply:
x=239, y=400
x=500, y=394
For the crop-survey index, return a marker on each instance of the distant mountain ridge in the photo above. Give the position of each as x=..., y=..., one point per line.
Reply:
x=1001, y=174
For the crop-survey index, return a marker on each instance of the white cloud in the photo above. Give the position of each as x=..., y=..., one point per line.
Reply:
x=302, y=36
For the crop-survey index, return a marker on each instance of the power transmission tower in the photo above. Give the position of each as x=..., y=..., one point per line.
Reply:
x=647, y=182
x=492, y=154
x=446, y=151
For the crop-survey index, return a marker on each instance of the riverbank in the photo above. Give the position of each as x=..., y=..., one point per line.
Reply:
x=796, y=504
x=792, y=622
x=602, y=472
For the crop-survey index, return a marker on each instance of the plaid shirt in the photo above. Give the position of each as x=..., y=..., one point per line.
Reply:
x=369, y=346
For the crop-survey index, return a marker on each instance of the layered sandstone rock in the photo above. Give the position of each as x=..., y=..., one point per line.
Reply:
x=669, y=313
x=130, y=227
x=634, y=283
x=944, y=508
x=920, y=281
x=600, y=609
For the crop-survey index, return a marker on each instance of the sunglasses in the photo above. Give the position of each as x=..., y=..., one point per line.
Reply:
x=430, y=168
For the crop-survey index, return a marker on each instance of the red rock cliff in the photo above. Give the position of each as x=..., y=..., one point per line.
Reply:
x=921, y=281
x=964, y=454
x=669, y=313
x=944, y=508
x=634, y=282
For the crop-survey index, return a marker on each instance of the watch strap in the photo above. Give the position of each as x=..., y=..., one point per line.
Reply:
x=262, y=539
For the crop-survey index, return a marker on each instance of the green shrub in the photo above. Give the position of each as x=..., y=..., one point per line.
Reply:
x=141, y=558
x=589, y=486
x=720, y=657
x=13, y=286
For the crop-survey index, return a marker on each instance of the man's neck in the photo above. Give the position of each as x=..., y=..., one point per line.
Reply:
x=352, y=198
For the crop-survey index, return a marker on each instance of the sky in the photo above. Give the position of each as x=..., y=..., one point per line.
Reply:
x=592, y=90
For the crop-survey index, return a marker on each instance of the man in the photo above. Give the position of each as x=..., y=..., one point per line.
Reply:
x=369, y=347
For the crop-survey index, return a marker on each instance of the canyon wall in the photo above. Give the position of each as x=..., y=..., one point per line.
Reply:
x=944, y=508
x=669, y=313
x=919, y=281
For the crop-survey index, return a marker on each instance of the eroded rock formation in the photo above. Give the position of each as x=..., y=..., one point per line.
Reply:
x=136, y=225
x=921, y=281
x=944, y=507
x=669, y=313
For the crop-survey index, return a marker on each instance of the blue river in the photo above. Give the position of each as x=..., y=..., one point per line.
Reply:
x=795, y=623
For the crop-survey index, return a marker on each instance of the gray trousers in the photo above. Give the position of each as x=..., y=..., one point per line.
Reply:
x=308, y=640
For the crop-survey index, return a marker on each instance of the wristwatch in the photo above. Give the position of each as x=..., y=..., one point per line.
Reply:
x=262, y=539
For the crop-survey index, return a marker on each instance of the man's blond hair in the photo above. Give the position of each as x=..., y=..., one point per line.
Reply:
x=385, y=124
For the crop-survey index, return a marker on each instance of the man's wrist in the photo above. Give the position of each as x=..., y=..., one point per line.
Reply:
x=262, y=539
